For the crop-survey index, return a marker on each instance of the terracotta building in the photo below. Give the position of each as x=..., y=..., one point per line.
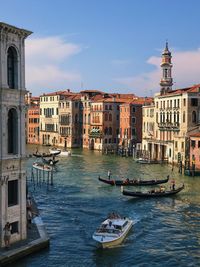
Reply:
x=32, y=119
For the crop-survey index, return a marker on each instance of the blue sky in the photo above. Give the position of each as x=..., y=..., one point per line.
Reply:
x=109, y=45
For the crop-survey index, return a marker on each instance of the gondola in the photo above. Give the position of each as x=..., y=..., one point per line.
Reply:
x=42, y=155
x=50, y=161
x=152, y=193
x=134, y=182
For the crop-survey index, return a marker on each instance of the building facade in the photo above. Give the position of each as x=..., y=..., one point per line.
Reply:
x=176, y=114
x=32, y=119
x=12, y=136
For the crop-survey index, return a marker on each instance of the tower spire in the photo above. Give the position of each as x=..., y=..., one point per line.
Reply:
x=166, y=81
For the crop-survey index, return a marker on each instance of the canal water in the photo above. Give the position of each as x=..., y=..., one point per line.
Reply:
x=166, y=231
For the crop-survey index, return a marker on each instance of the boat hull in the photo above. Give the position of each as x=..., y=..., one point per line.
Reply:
x=151, y=195
x=115, y=242
x=134, y=182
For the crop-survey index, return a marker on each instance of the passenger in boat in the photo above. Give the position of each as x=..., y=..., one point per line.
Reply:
x=110, y=227
x=173, y=184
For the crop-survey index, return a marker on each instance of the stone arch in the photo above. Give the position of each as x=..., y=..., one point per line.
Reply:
x=12, y=67
x=12, y=130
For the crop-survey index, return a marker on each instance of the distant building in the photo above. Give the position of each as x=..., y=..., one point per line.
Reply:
x=12, y=131
x=194, y=146
x=176, y=114
x=131, y=122
x=32, y=119
x=86, y=100
x=70, y=120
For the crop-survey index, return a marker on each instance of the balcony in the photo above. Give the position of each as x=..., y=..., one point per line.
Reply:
x=169, y=126
x=95, y=133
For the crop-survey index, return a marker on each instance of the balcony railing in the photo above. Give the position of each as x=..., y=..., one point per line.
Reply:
x=169, y=126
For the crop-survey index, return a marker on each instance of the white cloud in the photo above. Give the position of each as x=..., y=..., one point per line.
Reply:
x=185, y=72
x=45, y=58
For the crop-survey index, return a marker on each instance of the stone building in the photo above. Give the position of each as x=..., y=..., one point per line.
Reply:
x=70, y=120
x=176, y=114
x=49, y=118
x=12, y=131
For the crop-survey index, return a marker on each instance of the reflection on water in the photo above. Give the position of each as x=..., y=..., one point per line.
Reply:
x=166, y=231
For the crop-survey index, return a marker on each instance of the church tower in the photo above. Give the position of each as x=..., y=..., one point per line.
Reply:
x=12, y=131
x=166, y=65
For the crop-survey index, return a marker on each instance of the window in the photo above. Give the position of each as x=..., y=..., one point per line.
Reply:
x=193, y=144
x=12, y=74
x=198, y=144
x=184, y=102
x=133, y=109
x=133, y=120
x=183, y=116
x=12, y=193
x=14, y=227
x=194, y=117
x=110, y=117
x=12, y=131
x=176, y=144
x=194, y=102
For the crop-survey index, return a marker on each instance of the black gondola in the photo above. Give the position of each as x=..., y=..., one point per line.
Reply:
x=50, y=161
x=134, y=182
x=42, y=155
x=152, y=193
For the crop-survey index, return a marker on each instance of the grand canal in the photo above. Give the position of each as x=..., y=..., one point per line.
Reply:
x=166, y=231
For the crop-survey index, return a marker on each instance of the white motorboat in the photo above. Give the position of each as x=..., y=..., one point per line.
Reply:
x=65, y=153
x=57, y=151
x=112, y=231
x=42, y=167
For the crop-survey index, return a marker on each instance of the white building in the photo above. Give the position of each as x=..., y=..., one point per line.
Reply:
x=12, y=131
x=176, y=114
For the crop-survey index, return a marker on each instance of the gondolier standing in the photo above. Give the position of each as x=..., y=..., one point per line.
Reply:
x=109, y=174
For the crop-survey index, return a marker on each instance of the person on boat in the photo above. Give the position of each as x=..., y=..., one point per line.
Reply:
x=109, y=175
x=110, y=227
x=173, y=184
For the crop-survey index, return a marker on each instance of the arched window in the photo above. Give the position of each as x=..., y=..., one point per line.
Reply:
x=76, y=118
x=12, y=131
x=194, y=117
x=177, y=117
x=106, y=131
x=12, y=70
x=110, y=117
x=88, y=118
x=106, y=117
x=85, y=121
x=183, y=116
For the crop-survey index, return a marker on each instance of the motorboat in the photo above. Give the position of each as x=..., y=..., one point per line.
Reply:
x=42, y=167
x=112, y=231
x=54, y=151
x=65, y=153
x=57, y=151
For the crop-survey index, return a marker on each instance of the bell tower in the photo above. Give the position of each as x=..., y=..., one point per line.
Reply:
x=166, y=81
x=12, y=131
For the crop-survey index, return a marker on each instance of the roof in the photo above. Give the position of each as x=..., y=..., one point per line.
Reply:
x=13, y=29
x=195, y=134
x=193, y=89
